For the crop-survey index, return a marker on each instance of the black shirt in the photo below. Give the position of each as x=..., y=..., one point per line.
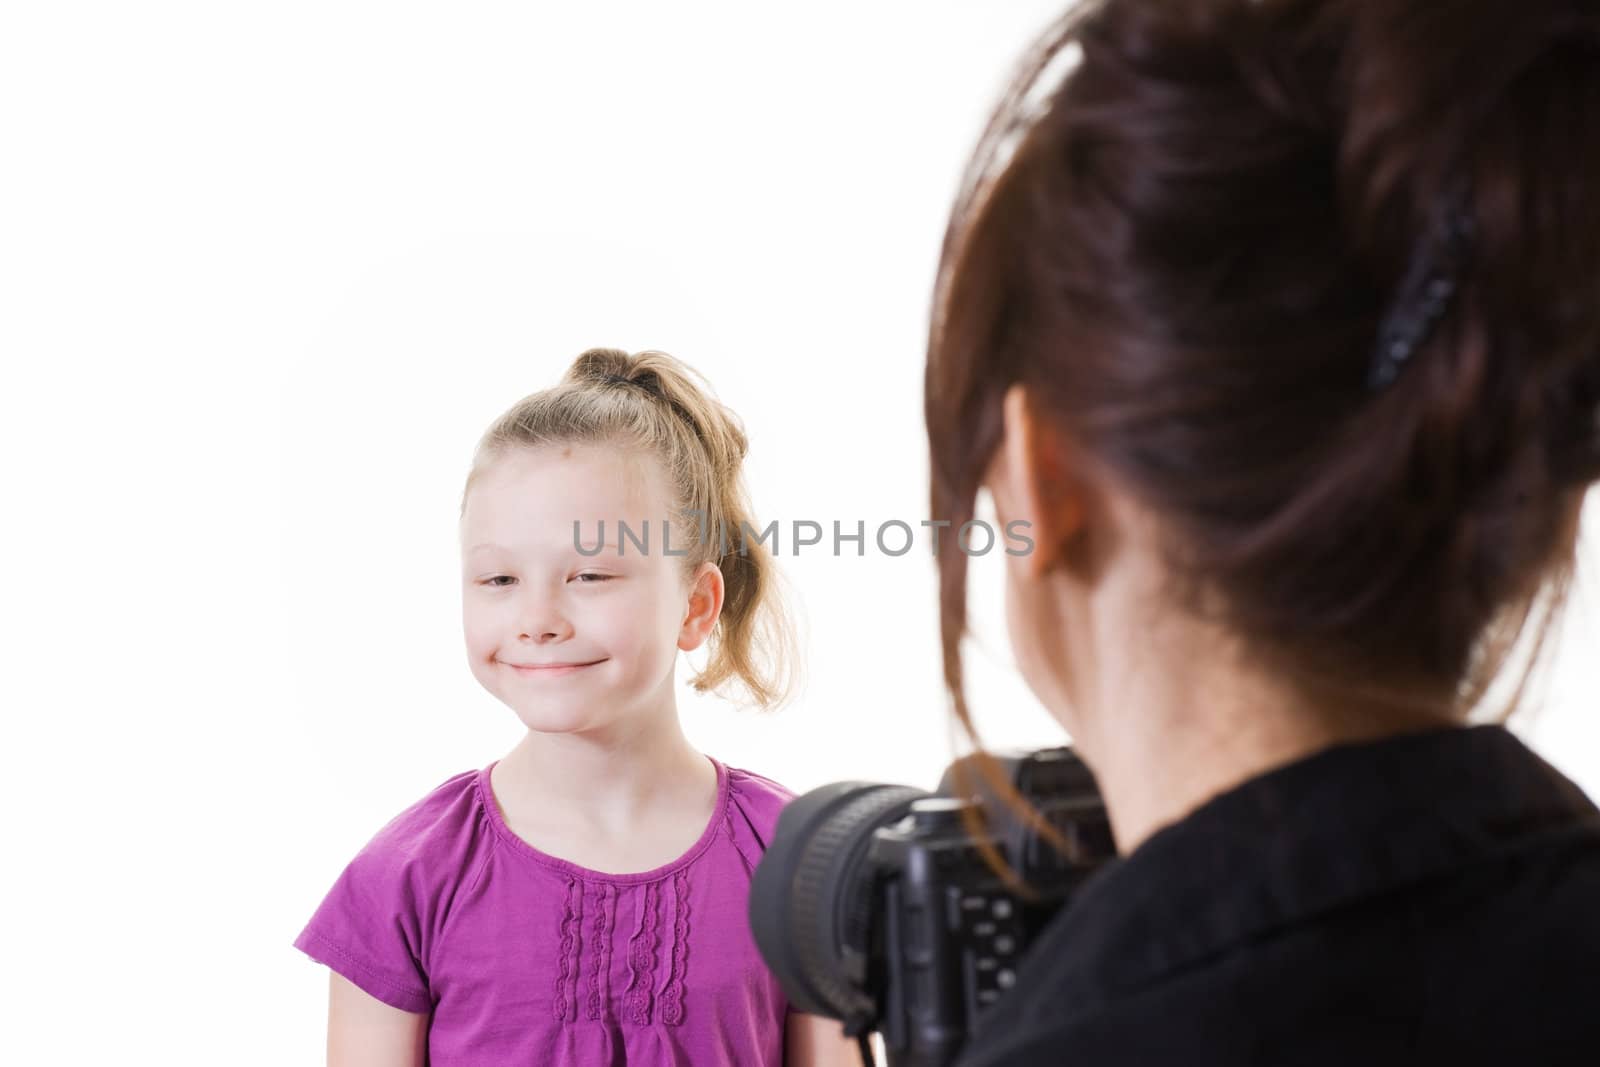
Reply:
x=1431, y=898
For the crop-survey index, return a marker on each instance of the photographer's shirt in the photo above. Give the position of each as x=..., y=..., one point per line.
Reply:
x=524, y=958
x=1432, y=898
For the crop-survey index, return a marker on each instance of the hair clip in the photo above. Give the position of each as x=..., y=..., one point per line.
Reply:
x=1431, y=281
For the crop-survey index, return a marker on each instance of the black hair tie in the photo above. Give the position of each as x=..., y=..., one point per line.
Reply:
x=652, y=387
x=618, y=379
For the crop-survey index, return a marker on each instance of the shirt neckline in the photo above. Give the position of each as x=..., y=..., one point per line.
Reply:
x=497, y=821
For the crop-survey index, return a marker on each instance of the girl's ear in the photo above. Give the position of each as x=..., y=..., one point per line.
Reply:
x=703, y=608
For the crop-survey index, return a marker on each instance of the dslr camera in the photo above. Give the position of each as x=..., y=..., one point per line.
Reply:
x=874, y=904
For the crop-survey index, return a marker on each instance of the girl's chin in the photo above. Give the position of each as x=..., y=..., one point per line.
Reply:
x=556, y=720
x=558, y=710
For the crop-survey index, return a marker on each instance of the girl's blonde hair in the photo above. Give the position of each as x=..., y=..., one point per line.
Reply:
x=654, y=405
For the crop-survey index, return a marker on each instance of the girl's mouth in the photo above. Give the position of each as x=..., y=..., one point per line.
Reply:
x=552, y=670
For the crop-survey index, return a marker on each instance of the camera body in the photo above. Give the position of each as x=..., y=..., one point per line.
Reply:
x=874, y=904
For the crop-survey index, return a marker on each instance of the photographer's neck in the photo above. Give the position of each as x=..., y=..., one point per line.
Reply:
x=1180, y=733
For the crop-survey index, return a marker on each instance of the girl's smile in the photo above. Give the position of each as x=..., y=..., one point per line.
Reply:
x=547, y=670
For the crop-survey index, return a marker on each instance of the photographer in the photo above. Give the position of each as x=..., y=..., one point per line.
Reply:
x=1280, y=322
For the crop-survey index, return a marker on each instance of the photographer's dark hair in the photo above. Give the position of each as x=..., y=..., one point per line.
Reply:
x=1186, y=251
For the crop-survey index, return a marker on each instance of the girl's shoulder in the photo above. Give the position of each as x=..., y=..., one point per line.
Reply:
x=436, y=838
x=754, y=804
x=436, y=816
x=378, y=923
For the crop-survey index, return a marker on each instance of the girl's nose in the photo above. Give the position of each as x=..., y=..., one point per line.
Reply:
x=543, y=619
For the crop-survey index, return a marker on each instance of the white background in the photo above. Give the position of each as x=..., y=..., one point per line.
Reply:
x=269, y=270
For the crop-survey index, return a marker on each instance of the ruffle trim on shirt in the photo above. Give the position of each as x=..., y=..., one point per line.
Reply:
x=672, y=997
x=642, y=959
x=604, y=897
x=567, y=974
x=638, y=1000
x=600, y=900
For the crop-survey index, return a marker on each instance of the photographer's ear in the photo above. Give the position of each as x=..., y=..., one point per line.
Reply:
x=1031, y=478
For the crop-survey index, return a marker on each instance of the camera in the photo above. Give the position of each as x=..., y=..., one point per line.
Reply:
x=874, y=903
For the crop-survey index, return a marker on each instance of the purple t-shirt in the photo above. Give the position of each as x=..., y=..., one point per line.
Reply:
x=523, y=958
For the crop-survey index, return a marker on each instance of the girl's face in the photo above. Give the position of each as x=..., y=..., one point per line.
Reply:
x=615, y=620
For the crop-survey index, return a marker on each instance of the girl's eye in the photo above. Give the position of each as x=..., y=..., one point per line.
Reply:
x=496, y=582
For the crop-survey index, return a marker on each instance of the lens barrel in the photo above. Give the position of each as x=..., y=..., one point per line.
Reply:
x=809, y=908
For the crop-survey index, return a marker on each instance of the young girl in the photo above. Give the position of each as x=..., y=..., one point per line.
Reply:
x=583, y=900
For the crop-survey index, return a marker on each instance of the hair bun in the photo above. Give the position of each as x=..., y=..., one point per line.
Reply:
x=600, y=364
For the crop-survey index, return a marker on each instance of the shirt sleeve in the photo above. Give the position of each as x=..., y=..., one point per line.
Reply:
x=370, y=927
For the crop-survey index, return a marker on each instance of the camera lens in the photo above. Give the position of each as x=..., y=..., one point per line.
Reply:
x=809, y=908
